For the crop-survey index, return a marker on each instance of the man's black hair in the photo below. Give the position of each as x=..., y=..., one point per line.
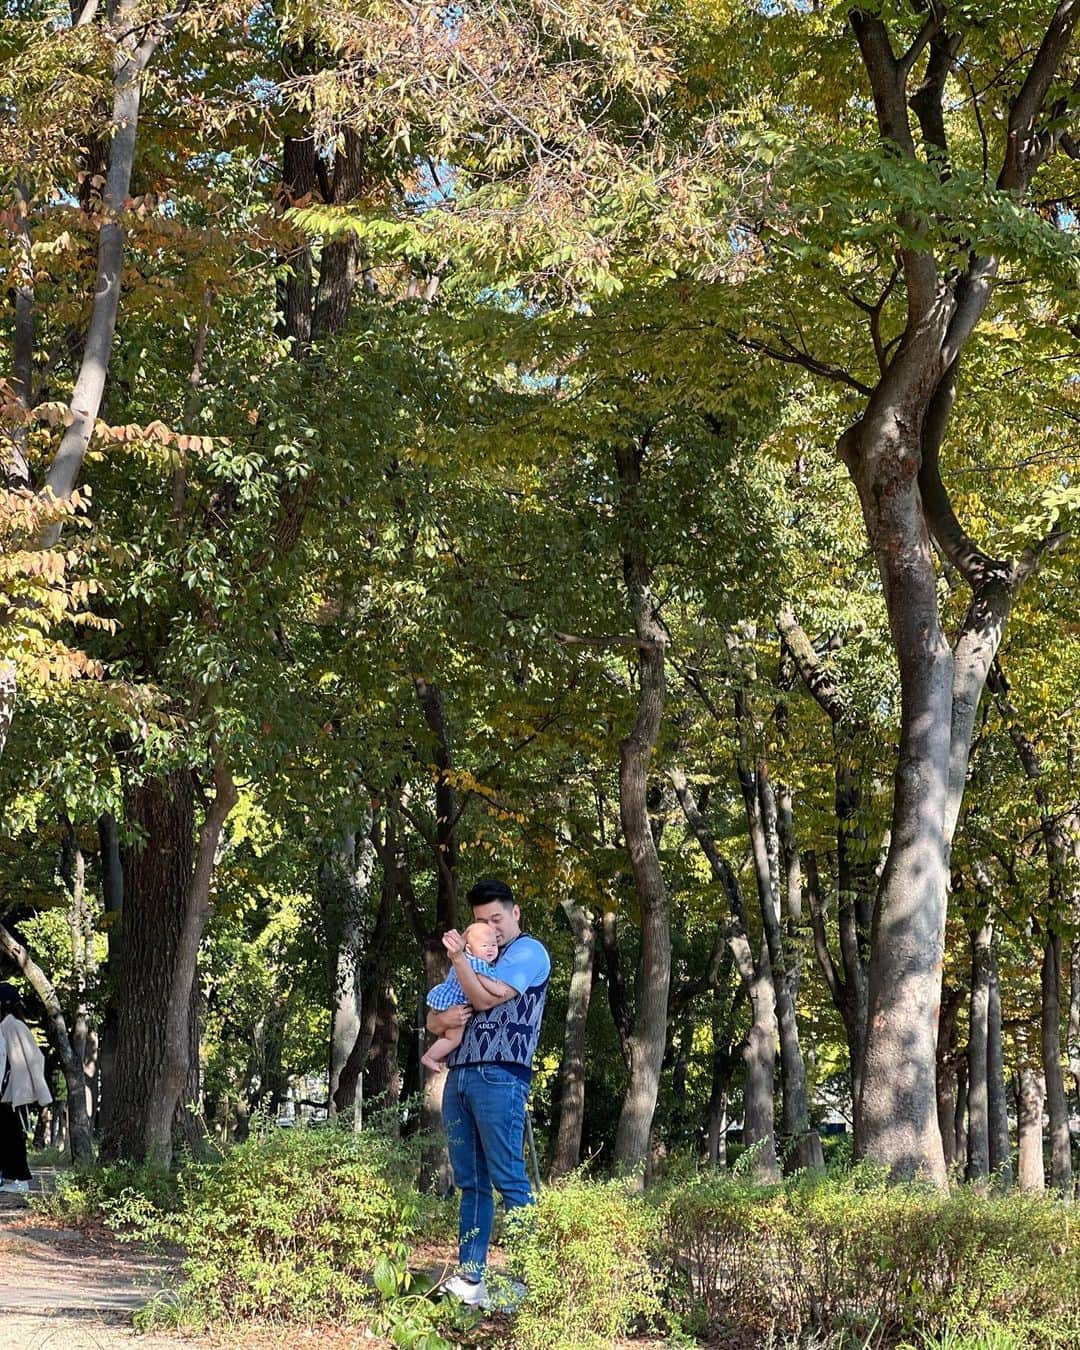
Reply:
x=489, y=890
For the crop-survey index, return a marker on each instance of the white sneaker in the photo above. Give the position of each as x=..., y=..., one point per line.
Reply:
x=15, y=1187
x=473, y=1295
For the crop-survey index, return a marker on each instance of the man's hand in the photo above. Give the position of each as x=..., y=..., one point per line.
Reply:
x=453, y=942
x=449, y=1019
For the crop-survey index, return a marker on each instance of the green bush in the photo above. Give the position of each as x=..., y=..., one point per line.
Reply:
x=583, y=1252
x=290, y=1226
x=120, y=1195
x=854, y=1254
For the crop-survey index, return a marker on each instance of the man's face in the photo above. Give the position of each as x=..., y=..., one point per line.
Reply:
x=506, y=923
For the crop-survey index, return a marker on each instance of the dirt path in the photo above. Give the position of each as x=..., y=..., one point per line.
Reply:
x=65, y=1289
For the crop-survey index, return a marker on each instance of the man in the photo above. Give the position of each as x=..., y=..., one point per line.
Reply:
x=488, y=1076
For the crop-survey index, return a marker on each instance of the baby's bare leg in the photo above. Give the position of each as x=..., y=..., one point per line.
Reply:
x=441, y=1050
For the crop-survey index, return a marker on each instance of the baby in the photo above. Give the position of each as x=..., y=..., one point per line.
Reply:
x=481, y=948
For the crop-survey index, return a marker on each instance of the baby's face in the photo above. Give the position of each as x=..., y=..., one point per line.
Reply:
x=481, y=941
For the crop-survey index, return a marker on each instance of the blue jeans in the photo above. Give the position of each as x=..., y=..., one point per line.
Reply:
x=484, y=1114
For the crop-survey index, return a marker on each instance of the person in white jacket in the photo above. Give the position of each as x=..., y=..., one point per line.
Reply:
x=22, y=1081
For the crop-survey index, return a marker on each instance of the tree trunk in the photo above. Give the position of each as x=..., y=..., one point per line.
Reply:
x=649, y=1035
x=295, y=286
x=1057, y=1104
x=947, y=1079
x=1001, y=1168
x=338, y=263
x=158, y=866
x=616, y=980
x=1062, y=899
x=112, y=889
x=382, y=1078
x=725, y=1057
x=343, y=880
x=84, y=1039
x=854, y=877
x=759, y=1055
x=802, y=1146
x=435, y=1172
x=373, y=991
x=897, y=1116
x=1029, y=1116
x=978, y=1151
x=960, y=1117
x=1073, y=1035
x=176, y=1061
x=759, y=1047
x=134, y=46
x=82, y=1149
x=567, y=1151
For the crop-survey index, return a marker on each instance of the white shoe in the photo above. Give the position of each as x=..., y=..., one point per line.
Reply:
x=15, y=1187
x=473, y=1295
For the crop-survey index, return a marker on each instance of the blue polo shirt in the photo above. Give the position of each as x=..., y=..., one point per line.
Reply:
x=509, y=1033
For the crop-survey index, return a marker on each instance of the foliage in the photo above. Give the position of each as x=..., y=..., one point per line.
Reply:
x=853, y=1253
x=291, y=1225
x=583, y=1253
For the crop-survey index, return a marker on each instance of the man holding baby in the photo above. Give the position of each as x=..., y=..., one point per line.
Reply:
x=489, y=1072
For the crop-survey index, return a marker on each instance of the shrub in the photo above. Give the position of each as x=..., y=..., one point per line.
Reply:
x=853, y=1253
x=291, y=1225
x=583, y=1252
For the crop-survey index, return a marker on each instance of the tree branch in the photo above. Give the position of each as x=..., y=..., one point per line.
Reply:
x=794, y=356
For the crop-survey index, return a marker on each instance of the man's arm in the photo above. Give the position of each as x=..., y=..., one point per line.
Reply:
x=448, y=1019
x=481, y=990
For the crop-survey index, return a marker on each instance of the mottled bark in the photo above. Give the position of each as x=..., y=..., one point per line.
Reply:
x=759, y=1047
x=567, y=1151
x=1057, y=1104
x=1001, y=1168
x=725, y=1057
x=978, y=1150
x=801, y=1145
x=759, y=1055
x=344, y=877
x=648, y=1036
x=375, y=996
x=176, y=1061
x=1029, y=1116
x=947, y=1075
x=134, y=46
x=892, y=452
x=158, y=865
x=855, y=879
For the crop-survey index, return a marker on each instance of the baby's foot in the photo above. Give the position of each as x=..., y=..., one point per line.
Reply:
x=435, y=1065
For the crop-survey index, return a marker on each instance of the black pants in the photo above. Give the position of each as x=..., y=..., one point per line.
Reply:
x=13, y=1166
